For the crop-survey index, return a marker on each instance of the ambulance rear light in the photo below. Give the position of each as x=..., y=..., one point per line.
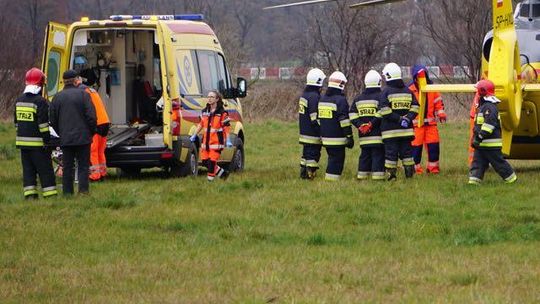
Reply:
x=167, y=155
x=190, y=17
x=175, y=118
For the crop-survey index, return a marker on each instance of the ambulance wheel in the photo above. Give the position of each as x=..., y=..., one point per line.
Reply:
x=237, y=162
x=128, y=172
x=190, y=167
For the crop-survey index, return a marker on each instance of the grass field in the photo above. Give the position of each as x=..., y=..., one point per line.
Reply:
x=266, y=236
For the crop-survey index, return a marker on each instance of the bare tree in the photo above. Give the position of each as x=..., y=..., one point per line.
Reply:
x=457, y=29
x=352, y=41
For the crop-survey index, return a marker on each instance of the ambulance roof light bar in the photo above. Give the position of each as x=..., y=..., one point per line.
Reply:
x=191, y=17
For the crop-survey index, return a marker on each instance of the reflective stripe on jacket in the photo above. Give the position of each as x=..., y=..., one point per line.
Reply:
x=215, y=126
x=307, y=116
x=31, y=116
x=333, y=115
x=488, y=126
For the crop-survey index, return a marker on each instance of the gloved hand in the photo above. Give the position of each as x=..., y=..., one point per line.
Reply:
x=476, y=141
x=350, y=142
x=404, y=122
x=228, y=143
x=442, y=117
x=365, y=128
x=193, y=138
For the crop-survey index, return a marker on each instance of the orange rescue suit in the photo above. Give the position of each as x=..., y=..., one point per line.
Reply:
x=428, y=134
x=98, y=168
x=215, y=127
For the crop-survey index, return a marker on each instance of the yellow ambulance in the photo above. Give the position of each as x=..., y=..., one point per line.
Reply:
x=153, y=74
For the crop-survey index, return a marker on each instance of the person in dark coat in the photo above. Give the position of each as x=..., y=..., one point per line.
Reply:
x=73, y=117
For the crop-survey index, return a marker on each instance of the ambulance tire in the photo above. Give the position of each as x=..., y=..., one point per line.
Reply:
x=190, y=167
x=237, y=162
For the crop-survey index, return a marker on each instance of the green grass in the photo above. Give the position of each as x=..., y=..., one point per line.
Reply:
x=266, y=236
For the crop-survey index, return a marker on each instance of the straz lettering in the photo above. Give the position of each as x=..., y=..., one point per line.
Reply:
x=367, y=111
x=25, y=116
x=325, y=113
x=504, y=20
x=400, y=105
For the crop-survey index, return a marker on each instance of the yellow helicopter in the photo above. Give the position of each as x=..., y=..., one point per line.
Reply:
x=514, y=74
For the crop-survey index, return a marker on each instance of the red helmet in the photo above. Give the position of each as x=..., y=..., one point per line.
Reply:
x=485, y=88
x=35, y=76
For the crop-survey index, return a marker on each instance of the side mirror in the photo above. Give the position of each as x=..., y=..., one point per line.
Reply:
x=241, y=87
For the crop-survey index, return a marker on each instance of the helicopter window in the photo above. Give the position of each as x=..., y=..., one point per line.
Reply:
x=535, y=10
x=524, y=10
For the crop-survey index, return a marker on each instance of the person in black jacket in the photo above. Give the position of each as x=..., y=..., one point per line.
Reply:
x=365, y=117
x=73, y=117
x=32, y=122
x=310, y=137
x=487, y=140
x=336, y=132
x=398, y=108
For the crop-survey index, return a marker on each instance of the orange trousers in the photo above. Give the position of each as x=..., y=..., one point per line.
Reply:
x=209, y=159
x=428, y=136
x=98, y=168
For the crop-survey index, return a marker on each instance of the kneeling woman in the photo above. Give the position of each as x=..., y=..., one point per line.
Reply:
x=215, y=125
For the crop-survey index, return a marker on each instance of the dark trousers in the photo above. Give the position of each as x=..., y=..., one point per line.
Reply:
x=37, y=162
x=398, y=149
x=82, y=155
x=433, y=153
x=336, y=160
x=311, y=154
x=371, y=161
x=483, y=158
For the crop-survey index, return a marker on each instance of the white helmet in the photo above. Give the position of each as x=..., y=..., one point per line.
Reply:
x=391, y=71
x=337, y=80
x=373, y=79
x=315, y=77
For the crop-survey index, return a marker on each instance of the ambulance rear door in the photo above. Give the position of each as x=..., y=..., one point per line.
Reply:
x=55, y=57
x=171, y=91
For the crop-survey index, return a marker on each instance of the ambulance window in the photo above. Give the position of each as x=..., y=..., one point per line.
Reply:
x=208, y=70
x=223, y=73
x=53, y=72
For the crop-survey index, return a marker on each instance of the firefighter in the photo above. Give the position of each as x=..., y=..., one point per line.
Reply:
x=215, y=124
x=487, y=140
x=428, y=134
x=398, y=108
x=32, y=123
x=365, y=117
x=98, y=167
x=336, y=133
x=73, y=117
x=310, y=137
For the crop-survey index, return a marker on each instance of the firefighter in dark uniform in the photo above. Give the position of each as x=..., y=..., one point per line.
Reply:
x=310, y=137
x=487, y=140
x=365, y=117
x=398, y=108
x=32, y=122
x=336, y=133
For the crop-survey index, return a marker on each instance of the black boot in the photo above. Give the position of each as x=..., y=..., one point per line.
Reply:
x=311, y=172
x=409, y=171
x=303, y=172
x=391, y=174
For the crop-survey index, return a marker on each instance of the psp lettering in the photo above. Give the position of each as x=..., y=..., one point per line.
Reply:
x=504, y=20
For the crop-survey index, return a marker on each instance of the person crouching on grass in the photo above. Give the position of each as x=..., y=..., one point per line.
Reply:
x=215, y=124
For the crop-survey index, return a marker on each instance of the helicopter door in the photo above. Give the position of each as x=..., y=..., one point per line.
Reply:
x=54, y=57
x=169, y=79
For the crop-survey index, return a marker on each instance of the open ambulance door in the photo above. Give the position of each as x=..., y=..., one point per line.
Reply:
x=169, y=78
x=54, y=57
